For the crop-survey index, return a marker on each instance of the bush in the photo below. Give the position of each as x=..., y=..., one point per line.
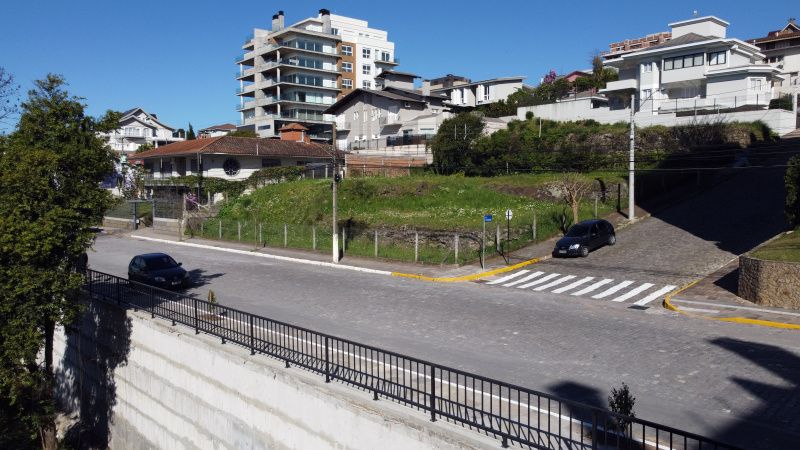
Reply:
x=792, y=182
x=621, y=402
x=269, y=175
x=784, y=102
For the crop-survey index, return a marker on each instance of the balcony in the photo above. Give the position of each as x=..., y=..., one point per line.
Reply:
x=621, y=85
x=246, y=105
x=246, y=89
x=392, y=62
x=756, y=99
x=245, y=73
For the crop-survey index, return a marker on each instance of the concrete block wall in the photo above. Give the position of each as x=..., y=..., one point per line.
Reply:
x=769, y=283
x=140, y=383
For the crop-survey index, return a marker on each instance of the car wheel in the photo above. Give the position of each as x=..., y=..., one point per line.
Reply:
x=612, y=239
x=584, y=251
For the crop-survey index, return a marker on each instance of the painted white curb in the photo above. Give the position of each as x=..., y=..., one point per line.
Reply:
x=267, y=256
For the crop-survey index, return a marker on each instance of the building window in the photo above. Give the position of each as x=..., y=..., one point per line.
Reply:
x=647, y=67
x=347, y=50
x=717, y=58
x=266, y=162
x=347, y=83
x=355, y=116
x=347, y=67
x=335, y=31
x=486, y=92
x=366, y=53
x=385, y=56
x=366, y=69
x=366, y=84
x=231, y=167
x=681, y=62
x=756, y=84
x=645, y=96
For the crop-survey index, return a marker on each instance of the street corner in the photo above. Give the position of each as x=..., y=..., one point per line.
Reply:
x=478, y=277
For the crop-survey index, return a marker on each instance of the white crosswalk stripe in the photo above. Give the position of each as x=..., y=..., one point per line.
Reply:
x=544, y=279
x=638, y=293
x=523, y=279
x=554, y=283
x=509, y=277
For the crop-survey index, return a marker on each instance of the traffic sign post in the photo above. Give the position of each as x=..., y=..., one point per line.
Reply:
x=509, y=215
x=486, y=218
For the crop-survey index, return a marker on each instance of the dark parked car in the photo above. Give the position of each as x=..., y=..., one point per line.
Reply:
x=584, y=237
x=158, y=269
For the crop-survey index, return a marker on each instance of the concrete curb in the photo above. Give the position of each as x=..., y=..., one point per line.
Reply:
x=744, y=320
x=474, y=276
x=268, y=256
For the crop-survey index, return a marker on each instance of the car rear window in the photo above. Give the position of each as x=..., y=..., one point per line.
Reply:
x=160, y=262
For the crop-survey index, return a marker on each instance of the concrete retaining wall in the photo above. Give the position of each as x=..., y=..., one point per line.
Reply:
x=114, y=222
x=769, y=283
x=137, y=382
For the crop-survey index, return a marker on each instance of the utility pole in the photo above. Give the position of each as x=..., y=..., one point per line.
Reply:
x=631, y=164
x=335, y=245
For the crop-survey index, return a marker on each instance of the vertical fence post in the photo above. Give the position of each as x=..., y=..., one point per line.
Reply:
x=152, y=304
x=313, y=237
x=260, y=233
x=239, y=230
x=533, y=227
x=497, y=238
x=344, y=240
x=327, y=362
x=376, y=243
x=326, y=171
x=252, y=338
x=220, y=229
x=455, y=248
x=595, y=205
x=285, y=235
x=196, y=318
x=154, y=214
x=416, y=246
x=202, y=228
x=433, y=393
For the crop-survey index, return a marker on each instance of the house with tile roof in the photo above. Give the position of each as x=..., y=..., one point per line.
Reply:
x=781, y=49
x=138, y=127
x=234, y=158
x=216, y=130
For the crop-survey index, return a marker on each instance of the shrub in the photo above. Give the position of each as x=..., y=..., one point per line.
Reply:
x=792, y=182
x=784, y=102
x=621, y=402
x=269, y=175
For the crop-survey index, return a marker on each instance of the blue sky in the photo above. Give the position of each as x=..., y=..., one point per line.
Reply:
x=176, y=58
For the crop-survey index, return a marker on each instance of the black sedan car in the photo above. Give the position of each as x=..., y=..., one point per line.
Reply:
x=158, y=269
x=584, y=237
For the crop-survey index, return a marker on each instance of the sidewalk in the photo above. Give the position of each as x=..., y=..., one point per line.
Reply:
x=714, y=297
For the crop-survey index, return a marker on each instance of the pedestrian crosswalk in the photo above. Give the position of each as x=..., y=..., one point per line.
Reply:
x=599, y=288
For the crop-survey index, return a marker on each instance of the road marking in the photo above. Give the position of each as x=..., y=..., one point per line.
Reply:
x=509, y=277
x=554, y=283
x=700, y=310
x=746, y=308
x=593, y=287
x=523, y=279
x=613, y=289
x=573, y=285
x=663, y=291
x=544, y=279
x=638, y=290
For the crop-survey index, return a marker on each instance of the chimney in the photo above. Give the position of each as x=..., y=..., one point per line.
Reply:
x=275, y=23
x=325, y=15
x=280, y=20
x=294, y=132
x=426, y=87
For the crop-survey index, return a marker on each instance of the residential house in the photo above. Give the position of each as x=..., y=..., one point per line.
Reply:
x=471, y=94
x=138, y=127
x=293, y=73
x=216, y=130
x=781, y=49
x=617, y=49
x=235, y=158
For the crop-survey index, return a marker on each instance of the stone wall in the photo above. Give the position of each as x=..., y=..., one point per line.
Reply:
x=138, y=383
x=769, y=283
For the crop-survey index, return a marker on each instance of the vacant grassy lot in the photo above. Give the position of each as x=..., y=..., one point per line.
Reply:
x=784, y=248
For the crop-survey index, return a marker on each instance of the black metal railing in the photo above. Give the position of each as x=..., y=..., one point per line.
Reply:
x=512, y=414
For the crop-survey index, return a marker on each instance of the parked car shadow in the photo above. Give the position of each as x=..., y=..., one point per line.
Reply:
x=200, y=277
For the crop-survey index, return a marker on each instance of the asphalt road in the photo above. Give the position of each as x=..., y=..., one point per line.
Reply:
x=734, y=382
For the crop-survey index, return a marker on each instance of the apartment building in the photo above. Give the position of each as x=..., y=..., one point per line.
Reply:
x=465, y=93
x=617, y=49
x=293, y=73
x=698, y=68
x=781, y=49
x=138, y=127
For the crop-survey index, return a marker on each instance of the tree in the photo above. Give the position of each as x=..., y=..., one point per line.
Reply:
x=601, y=74
x=243, y=133
x=190, y=134
x=51, y=167
x=573, y=187
x=453, y=141
x=145, y=147
x=8, y=95
x=792, y=182
x=621, y=402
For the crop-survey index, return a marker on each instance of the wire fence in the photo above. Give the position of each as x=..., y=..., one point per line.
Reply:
x=512, y=414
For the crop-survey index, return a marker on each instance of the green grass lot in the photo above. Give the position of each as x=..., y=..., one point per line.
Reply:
x=784, y=248
x=437, y=206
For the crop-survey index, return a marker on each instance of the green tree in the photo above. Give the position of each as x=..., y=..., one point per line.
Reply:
x=145, y=147
x=190, y=134
x=51, y=167
x=453, y=141
x=601, y=74
x=243, y=133
x=792, y=182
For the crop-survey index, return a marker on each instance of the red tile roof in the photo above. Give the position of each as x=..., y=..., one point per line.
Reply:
x=228, y=145
x=222, y=127
x=293, y=127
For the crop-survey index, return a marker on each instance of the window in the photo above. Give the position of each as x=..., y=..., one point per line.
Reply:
x=366, y=84
x=647, y=67
x=231, y=167
x=366, y=53
x=486, y=92
x=717, y=58
x=756, y=84
x=335, y=31
x=266, y=162
x=347, y=83
x=385, y=56
x=347, y=50
x=680, y=62
x=355, y=116
x=347, y=67
x=366, y=69
x=645, y=94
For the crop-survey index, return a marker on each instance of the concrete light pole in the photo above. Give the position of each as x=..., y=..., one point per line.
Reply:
x=632, y=164
x=335, y=244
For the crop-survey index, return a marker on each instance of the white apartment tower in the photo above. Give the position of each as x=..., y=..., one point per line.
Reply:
x=293, y=73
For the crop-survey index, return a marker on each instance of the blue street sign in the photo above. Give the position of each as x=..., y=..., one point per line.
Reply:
x=487, y=218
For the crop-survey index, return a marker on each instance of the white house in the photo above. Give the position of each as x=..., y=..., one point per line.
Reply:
x=465, y=93
x=216, y=130
x=781, y=49
x=137, y=127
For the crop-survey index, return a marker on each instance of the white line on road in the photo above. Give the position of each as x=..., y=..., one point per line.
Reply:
x=573, y=285
x=523, y=279
x=544, y=279
x=509, y=277
x=554, y=283
x=267, y=256
x=593, y=287
x=663, y=291
x=613, y=289
x=634, y=292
